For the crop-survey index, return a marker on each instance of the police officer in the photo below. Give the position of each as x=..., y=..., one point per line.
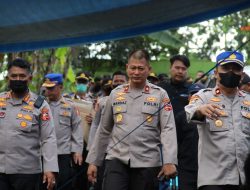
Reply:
x=26, y=133
x=68, y=128
x=223, y=118
x=135, y=162
x=118, y=78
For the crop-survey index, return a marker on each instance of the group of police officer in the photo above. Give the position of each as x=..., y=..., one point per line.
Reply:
x=134, y=130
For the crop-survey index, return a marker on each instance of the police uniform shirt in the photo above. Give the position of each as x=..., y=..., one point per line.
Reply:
x=126, y=109
x=223, y=143
x=68, y=126
x=22, y=140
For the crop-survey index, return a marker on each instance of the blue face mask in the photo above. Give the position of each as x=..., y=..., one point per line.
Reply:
x=81, y=88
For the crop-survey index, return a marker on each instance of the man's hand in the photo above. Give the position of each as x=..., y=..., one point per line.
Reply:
x=49, y=177
x=168, y=171
x=77, y=157
x=211, y=111
x=89, y=118
x=92, y=173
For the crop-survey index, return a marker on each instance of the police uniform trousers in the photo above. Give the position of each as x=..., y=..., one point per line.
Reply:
x=19, y=181
x=65, y=172
x=119, y=176
x=81, y=180
x=220, y=187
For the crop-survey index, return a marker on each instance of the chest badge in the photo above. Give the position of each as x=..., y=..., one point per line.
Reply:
x=23, y=124
x=118, y=108
x=149, y=118
x=218, y=123
x=119, y=118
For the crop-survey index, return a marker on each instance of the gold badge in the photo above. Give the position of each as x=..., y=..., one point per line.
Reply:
x=31, y=103
x=19, y=115
x=120, y=98
x=27, y=117
x=149, y=118
x=119, y=118
x=215, y=99
x=233, y=56
x=151, y=99
x=65, y=105
x=246, y=102
x=2, y=104
x=118, y=108
x=218, y=123
x=120, y=93
x=23, y=124
x=28, y=107
x=65, y=113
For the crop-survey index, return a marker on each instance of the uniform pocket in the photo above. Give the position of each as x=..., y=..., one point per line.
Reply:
x=64, y=117
x=245, y=122
x=150, y=115
x=119, y=112
x=218, y=125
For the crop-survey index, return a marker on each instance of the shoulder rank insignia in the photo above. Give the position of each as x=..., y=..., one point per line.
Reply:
x=126, y=88
x=217, y=91
x=146, y=89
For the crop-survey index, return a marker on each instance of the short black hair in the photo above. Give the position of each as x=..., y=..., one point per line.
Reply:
x=120, y=73
x=184, y=59
x=18, y=62
x=139, y=54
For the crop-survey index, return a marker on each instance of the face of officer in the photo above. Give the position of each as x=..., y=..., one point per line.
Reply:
x=118, y=80
x=54, y=93
x=18, y=80
x=138, y=71
x=178, y=71
x=229, y=75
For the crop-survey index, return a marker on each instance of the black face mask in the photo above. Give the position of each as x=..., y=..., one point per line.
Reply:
x=230, y=79
x=18, y=86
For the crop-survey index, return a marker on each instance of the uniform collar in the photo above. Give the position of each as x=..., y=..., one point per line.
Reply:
x=25, y=99
x=217, y=92
x=146, y=90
